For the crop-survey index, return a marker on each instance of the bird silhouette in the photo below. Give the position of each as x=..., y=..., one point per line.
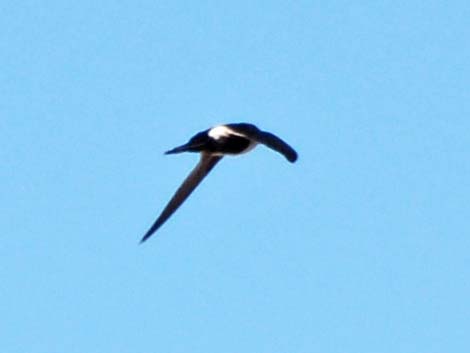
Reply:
x=213, y=144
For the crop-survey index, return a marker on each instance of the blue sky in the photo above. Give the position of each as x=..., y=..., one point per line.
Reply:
x=361, y=246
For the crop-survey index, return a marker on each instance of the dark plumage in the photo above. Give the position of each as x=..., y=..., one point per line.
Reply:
x=213, y=144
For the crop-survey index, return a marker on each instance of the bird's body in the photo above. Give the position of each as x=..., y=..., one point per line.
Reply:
x=220, y=140
x=213, y=144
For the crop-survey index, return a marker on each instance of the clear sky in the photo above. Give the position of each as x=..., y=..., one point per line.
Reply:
x=362, y=246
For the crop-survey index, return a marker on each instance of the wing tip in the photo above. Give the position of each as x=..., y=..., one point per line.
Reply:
x=290, y=154
x=147, y=235
x=144, y=238
x=292, y=157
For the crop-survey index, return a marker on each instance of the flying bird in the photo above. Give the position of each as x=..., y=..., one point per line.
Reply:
x=213, y=144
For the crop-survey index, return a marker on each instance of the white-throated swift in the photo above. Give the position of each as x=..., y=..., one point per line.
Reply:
x=213, y=144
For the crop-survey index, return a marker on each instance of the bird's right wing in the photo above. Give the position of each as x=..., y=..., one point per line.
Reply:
x=266, y=138
x=206, y=163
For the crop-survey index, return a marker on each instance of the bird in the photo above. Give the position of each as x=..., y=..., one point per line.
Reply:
x=213, y=144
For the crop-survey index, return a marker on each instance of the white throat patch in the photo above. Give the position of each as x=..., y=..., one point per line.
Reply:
x=220, y=131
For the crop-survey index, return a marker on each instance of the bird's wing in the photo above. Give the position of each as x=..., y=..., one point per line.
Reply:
x=266, y=138
x=206, y=163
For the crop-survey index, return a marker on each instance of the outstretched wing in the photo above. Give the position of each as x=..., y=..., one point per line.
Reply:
x=266, y=138
x=206, y=163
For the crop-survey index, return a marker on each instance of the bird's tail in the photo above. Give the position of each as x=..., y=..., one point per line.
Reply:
x=188, y=147
x=178, y=149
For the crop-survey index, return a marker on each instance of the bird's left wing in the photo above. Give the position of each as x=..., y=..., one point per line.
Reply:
x=206, y=163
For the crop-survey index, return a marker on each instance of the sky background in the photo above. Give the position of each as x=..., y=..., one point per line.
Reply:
x=362, y=246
